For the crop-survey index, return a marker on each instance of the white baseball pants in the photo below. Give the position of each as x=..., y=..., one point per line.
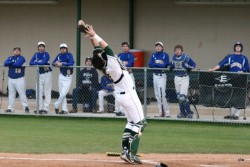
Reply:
x=19, y=86
x=64, y=83
x=160, y=92
x=131, y=105
x=181, y=84
x=44, y=89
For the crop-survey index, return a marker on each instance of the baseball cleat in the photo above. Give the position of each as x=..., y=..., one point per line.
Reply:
x=9, y=111
x=190, y=116
x=126, y=157
x=43, y=112
x=180, y=115
x=137, y=160
x=119, y=113
x=63, y=112
x=27, y=110
x=56, y=110
x=100, y=111
x=235, y=117
x=228, y=117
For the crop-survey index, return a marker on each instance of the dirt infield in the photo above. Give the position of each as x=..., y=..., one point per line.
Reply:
x=101, y=160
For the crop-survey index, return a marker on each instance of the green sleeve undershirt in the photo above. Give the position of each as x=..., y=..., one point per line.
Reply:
x=109, y=51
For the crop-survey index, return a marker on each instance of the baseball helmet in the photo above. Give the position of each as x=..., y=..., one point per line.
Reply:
x=63, y=45
x=238, y=44
x=41, y=43
x=159, y=43
x=97, y=61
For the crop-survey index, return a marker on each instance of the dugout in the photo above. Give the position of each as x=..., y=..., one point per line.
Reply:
x=223, y=89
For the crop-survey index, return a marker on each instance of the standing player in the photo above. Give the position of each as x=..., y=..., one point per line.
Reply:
x=42, y=58
x=160, y=59
x=236, y=62
x=16, y=80
x=63, y=60
x=127, y=58
x=182, y=64
x=105, y=60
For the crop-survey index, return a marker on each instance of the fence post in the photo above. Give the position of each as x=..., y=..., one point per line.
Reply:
x=145, y=92
x=37, y=91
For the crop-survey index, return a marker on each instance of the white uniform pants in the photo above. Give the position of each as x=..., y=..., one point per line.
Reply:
x=181, y=84
x=118, y=107
x=101, y=95
x=160, y=92
x=131, y=105
x=19, y=86
x=64, y=83
x=235, y=112
x=44, y=90
x=133, y=78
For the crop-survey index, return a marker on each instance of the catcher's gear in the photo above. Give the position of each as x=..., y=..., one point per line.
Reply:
x=82, y=26
x=134, y=144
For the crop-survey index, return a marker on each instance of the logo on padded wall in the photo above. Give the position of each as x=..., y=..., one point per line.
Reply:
x=223, y=78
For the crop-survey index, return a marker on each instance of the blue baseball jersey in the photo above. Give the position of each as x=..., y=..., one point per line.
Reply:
x=154, y=61
x=105, y=80
x=16, y=68
x=181, y=64
x=236, y=63
x=41, y=58
x=129, y=57
x=66, y=59
x=88, y=77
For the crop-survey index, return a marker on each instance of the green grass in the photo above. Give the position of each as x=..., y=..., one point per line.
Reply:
x=31, y=134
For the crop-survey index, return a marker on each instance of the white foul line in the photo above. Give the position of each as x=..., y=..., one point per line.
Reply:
x=60, y=159
x=82, y=160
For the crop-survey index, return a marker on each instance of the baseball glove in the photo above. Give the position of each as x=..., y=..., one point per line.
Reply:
x=82, y=26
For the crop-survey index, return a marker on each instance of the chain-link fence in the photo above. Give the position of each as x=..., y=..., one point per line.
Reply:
x=211, y=96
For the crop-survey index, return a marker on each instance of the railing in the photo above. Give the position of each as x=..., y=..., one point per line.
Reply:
x=213, y=94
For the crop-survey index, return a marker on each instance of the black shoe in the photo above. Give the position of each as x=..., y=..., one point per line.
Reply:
x=119, y=113
x=38, y=111
x=56, y=110
x=8, y=111
x=235, y=117
x=43, y=112
x=228, y=117
x=27, y=110
x=63, y=112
